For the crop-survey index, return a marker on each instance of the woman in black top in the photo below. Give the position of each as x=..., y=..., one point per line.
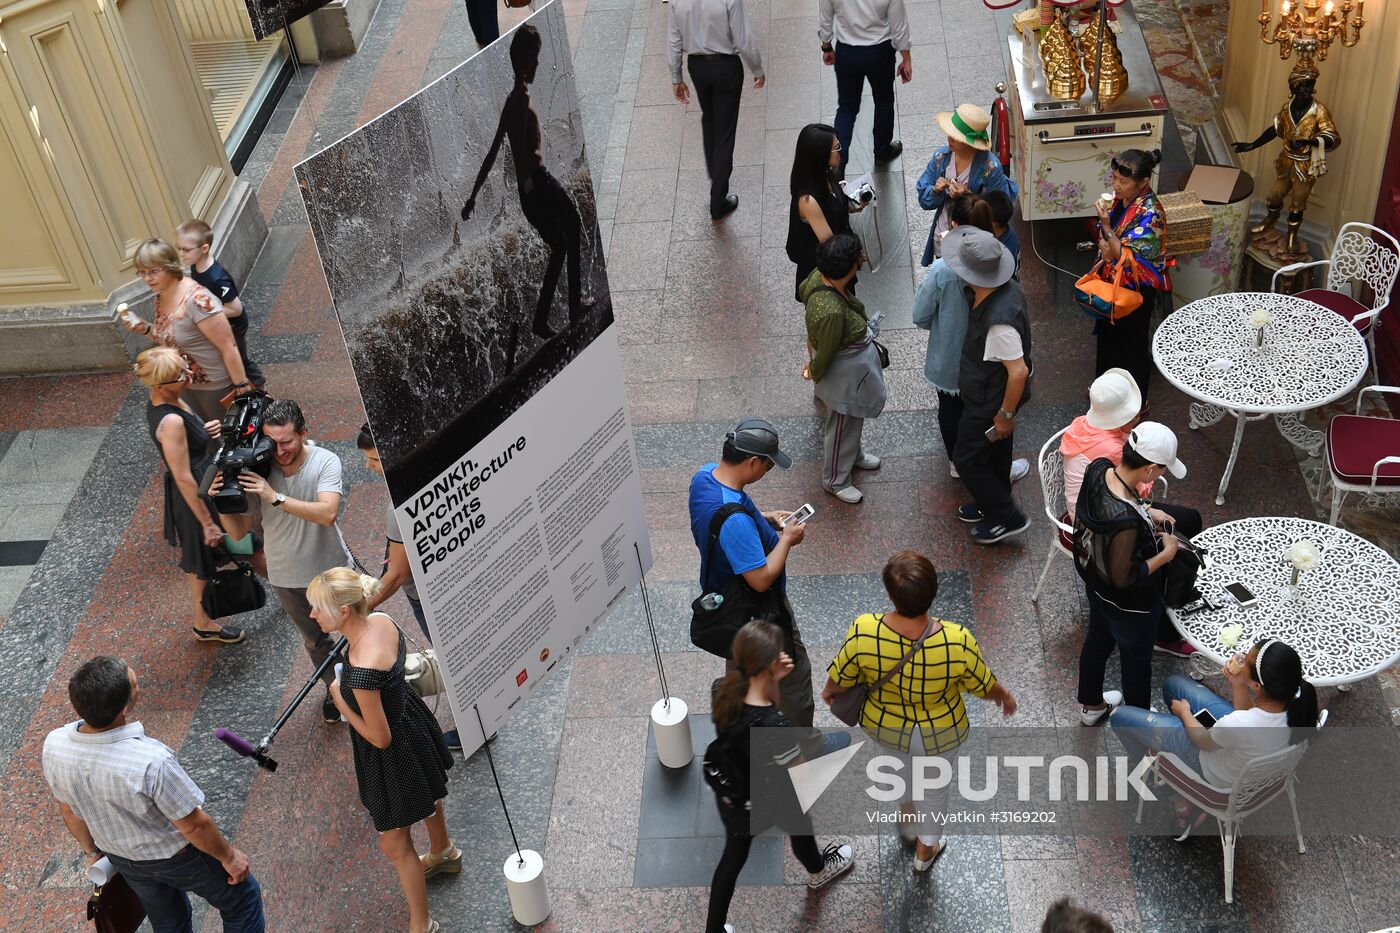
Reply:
x=183, y=441
x=819, y=208
x=745, y=699
x=1119, y=553
x=401, y=760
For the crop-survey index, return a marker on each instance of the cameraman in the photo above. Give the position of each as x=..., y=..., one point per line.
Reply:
x=299, y=501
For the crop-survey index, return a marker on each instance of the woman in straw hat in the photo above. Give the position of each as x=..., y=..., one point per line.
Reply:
x=965, y=164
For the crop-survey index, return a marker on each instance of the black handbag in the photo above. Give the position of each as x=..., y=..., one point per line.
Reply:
x=713, y=627
x=114, y=907
x=233, y=591
x=1179, y=574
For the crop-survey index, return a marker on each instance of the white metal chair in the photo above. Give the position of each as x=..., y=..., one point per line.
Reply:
x=1263, y=779
x=1051, y=465
x=1363, y=254
x=1363, y=453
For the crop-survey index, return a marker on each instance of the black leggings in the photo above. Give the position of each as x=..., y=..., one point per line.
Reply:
x=481, y=16
x=554, y=217
x=736, y=853
x=1126, y=343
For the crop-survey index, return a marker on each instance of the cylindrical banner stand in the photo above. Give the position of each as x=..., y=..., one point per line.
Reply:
x=670, y=721
x=529, y=898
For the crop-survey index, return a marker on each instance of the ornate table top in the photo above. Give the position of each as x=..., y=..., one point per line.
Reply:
x=1311, y=356
x=1344, y=624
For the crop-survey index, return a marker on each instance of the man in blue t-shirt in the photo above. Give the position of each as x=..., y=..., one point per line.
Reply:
x=753, y=544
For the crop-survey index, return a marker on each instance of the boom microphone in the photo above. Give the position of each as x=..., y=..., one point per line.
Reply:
x=245, y=748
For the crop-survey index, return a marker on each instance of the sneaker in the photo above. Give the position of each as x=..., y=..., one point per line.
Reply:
x=970, y=513
x=1020, y=469
x=728, y=927
x=953, y=470
x=453, y=740
x=835, y=741
x=989, y=533
x=328, y=710
x=867, y=461
x=1180, y=648
x=850, y=494
x=1091, y=717
x=837, y=860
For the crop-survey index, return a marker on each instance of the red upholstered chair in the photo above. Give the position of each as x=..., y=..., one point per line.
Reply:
x=1363, y=453
x=1262, y=780
x=1363, y=256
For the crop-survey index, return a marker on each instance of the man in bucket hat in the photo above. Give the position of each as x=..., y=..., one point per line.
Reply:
x=754, y=545
x=993, y=379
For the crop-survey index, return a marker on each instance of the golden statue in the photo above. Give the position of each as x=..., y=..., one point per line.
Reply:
x=1305, y=126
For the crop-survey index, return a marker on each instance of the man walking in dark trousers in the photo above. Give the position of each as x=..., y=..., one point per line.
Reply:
x=993, y=379
x=715, y=34
x=867, y=34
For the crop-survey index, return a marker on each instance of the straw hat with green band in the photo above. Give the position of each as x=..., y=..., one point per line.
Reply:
x=968, y=124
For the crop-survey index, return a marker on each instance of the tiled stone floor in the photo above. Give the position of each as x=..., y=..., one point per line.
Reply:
x=710, y=334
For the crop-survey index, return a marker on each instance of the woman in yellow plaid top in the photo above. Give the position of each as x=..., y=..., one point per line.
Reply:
x=920, y=710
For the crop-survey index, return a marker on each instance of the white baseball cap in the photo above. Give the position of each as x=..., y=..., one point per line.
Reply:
x=1114, y=400
x=1156, y=443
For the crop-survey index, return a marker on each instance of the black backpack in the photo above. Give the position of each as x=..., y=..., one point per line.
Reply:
x=726, y=774
x=713, y=630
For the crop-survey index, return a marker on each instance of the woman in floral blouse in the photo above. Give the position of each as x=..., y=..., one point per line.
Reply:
x=1134, y=223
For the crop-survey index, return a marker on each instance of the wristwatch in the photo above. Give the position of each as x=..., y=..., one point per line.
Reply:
x=826, y=47
x=278, y=499
x=1009, y=415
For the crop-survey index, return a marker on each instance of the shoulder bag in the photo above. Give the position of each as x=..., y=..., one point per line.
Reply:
x=421, y=669
x=847, y=706
x=713, y=624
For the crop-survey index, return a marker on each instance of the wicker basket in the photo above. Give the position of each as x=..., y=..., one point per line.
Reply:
x=1188, y=223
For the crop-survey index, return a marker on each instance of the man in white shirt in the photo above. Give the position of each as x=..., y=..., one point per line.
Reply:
x=715, y=35
x=867, y=35
x=125, y=796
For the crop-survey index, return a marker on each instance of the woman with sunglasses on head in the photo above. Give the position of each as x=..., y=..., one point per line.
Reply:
x=189, y=318
x=1133, y=222
x=182, y=438
x=1270, y=703
x=819, y=208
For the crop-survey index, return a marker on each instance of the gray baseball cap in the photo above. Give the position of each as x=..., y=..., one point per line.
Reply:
x=758, y=438
x=977, y=257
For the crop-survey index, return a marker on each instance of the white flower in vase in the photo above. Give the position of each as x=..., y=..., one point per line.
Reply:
x=1303, y=555
x=1260, y=317
x=1230, y=634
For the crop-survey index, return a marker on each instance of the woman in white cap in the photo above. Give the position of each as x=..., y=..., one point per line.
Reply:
x=1115, y=405
x=965, y=164
x=1118, y=553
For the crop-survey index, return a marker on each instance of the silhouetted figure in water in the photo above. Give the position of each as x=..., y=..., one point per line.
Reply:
x=545, y=202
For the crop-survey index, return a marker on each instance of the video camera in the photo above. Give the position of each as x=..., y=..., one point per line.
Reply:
x=243, y=447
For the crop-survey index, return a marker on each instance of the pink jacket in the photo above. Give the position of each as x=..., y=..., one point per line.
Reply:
x=1081, y=445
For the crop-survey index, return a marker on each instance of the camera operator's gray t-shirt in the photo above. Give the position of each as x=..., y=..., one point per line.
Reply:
x=298, y=550
x=391, y=531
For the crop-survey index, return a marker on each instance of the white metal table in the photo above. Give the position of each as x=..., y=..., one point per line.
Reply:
x=1310, y=356
x=1345, y=620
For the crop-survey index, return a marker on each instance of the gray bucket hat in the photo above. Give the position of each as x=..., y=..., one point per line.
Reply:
x=977, y=257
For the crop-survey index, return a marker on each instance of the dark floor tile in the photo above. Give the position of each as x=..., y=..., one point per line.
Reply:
x=669, y=800
x=690, y=862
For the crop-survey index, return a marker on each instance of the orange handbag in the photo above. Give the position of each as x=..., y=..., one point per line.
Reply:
x=1107, y=300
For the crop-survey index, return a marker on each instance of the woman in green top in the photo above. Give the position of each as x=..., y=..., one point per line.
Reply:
x=918, y=711
x=844, y=364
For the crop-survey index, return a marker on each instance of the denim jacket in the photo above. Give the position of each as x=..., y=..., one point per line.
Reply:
x=940, y=307
x=985, y=175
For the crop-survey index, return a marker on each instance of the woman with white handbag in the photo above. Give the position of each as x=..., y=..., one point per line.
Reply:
x=900, y=676
x=401, y=760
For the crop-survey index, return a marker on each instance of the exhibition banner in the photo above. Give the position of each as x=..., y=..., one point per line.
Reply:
x=459, y=237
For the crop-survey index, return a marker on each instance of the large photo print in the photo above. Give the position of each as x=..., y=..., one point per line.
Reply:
x=459, y=237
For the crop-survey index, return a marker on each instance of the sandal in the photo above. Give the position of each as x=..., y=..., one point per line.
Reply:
x=433, y=926
x=226, y=635
x=446, y=862
x=923, y=865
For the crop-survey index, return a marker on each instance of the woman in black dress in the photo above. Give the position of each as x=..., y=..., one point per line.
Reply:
x=183, y=441
x=401, y=759
x=819, y=208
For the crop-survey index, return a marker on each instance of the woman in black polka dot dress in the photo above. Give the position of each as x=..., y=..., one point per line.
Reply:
x=401, y=760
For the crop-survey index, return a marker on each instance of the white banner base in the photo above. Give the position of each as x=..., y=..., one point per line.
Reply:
x=529, y=898
x=671, y=725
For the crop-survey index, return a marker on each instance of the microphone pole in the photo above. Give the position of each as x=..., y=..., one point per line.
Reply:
x=259, y=752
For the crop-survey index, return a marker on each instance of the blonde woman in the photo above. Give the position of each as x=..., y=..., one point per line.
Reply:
x=183, y=441
x=190, y=319
x=401, y=760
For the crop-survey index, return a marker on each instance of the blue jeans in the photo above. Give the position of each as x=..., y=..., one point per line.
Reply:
x=856, y=64
x=162, y=886
x=1142, y=729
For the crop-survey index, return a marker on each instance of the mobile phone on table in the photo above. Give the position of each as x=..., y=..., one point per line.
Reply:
x=800, y=516
x=1241, y=594
x=1204, y=717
